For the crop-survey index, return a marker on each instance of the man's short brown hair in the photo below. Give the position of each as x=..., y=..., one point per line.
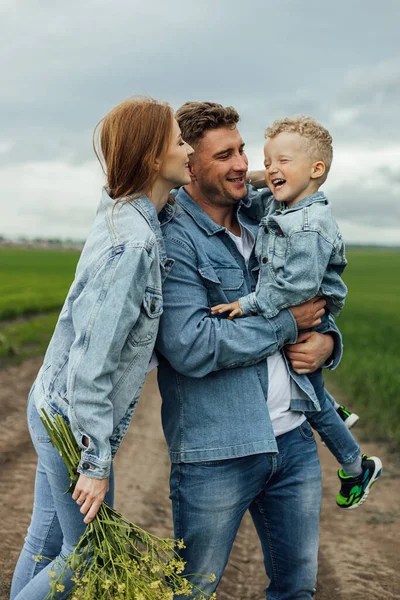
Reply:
x=195, y=118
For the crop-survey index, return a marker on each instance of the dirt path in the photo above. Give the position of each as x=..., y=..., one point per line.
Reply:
x=359, y=552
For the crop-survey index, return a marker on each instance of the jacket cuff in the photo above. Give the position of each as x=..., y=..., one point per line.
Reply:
x=248, y=304
x=336, y=356
x=93, y=467
x=285, y=327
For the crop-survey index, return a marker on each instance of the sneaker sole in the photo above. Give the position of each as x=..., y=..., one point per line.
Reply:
x=377, y=473
x=351, y=420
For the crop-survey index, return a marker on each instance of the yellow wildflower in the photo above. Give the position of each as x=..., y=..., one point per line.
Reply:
x=37, y=558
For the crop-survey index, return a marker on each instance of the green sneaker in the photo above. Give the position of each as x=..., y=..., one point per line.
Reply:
x=348, y=417
x=354, y=490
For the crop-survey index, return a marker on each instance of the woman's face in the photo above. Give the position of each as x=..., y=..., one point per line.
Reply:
x=175, y=166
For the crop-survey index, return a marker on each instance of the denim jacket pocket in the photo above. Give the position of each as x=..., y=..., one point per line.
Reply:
x=145, y=328
x=278, y=253
x=36, y=428
x=223, y=283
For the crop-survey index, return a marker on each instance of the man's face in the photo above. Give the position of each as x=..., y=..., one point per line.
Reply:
x=219, y=166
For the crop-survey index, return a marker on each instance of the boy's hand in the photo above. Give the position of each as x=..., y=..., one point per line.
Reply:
x=233, y=307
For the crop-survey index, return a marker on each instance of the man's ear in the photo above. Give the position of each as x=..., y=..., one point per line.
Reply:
x=318, y=169
x=192, y=171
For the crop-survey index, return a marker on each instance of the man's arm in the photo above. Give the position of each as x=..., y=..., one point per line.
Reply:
x=256, y=178
x=195, y=343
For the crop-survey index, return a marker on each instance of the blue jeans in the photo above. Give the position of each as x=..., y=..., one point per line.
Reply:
x=330, y=426
x=283, y=494
x=56, y=523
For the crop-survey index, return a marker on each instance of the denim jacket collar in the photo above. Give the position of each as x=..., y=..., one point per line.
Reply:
x=197, y=213
x=202, y=219
x=312, y=199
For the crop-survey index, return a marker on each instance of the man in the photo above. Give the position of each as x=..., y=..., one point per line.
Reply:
x=233, y=441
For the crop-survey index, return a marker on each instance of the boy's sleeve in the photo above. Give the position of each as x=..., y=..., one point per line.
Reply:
x=261, y=201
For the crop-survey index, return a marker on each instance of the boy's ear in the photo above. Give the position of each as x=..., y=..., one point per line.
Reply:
x=318, y=169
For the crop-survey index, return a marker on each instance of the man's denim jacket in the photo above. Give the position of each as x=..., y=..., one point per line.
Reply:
x=213, y=373
x=300, y=252
x=97, y=360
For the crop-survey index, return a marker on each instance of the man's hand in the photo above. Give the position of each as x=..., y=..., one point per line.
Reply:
x=233, y=307
x=89, y=494
x=310, y=352
x=309, y=314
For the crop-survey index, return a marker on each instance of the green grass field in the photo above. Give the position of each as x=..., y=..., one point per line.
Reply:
x=369, y=374
x=35, y=281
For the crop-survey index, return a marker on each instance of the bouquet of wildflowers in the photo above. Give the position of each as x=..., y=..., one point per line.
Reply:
x=115, y=559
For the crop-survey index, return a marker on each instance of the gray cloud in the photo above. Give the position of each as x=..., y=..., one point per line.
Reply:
x=64, y=65
x=377, y=207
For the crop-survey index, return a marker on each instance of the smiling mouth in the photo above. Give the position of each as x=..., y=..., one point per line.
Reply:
x=278, y=183
x=236, y=179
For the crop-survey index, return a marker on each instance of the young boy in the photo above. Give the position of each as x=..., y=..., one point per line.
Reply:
x=301, y=255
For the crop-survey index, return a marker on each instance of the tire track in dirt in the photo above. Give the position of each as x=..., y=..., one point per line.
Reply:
x=359, y=553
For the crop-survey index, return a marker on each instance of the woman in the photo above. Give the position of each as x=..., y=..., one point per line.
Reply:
x=97, y=360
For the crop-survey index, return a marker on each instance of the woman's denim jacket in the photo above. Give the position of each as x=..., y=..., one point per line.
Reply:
x=97, y=360
x=301, y=254
x=213, y=375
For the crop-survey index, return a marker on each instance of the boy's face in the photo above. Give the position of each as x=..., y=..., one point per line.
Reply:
x=290, y=173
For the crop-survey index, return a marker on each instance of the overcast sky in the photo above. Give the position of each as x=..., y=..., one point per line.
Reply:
x=64, y=65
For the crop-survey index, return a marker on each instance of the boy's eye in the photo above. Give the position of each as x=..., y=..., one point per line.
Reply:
x=283, y=160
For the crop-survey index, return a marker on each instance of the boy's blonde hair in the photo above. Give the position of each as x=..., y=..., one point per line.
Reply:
x=319, y=140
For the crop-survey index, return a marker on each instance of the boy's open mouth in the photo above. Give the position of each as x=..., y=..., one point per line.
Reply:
x=278, y=183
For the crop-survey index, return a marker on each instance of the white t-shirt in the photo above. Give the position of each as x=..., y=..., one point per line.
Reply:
x=279, y=382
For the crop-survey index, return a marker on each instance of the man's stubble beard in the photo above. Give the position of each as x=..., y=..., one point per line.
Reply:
x=214, y=196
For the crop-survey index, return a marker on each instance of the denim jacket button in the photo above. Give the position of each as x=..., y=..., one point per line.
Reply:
x=85, y=465
x=152, y=306
x=265, y=260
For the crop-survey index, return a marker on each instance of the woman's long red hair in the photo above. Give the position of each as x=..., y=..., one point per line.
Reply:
x=127, y=142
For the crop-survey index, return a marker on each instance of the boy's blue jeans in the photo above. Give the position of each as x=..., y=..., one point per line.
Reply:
x=56, y=523
x=330, y=426
x=282, y=492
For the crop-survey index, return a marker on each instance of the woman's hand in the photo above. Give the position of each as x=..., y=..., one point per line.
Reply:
x=310, y=352
x=89, y=494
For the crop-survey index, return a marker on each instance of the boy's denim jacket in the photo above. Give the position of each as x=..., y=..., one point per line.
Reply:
x=97, y=360
x=301, y=254
x=213, y=375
